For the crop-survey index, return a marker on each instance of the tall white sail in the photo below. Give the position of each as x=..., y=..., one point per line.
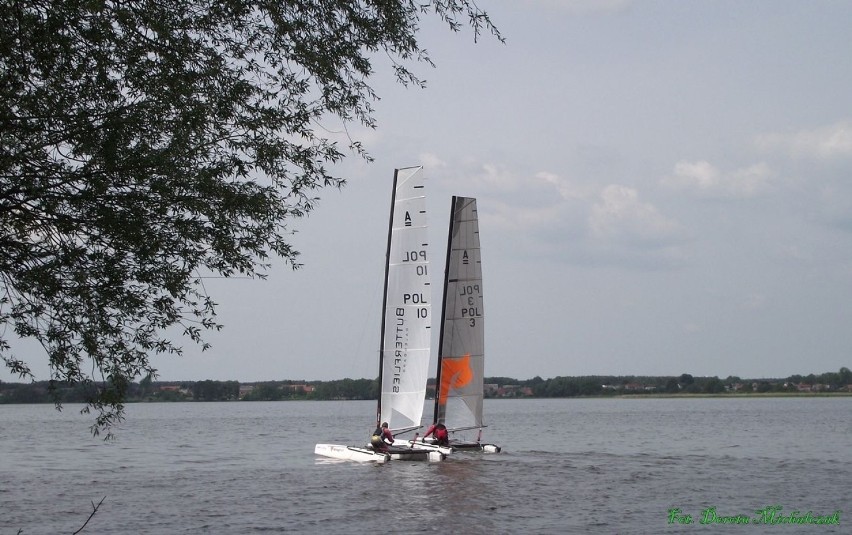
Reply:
x=406, y=320
x=461, y=360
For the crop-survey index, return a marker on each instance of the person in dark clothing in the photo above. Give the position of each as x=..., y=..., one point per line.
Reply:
x=439, y=432
x=382, y=438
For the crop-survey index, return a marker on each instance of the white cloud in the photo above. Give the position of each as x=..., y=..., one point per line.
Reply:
x=827, y=142
x=432, y=161
x=699, y=175
x=507, y=216
x=540, y=187
x=749, y=181
x=620, y=214
x=521, y=202
x=575, y=220
x=704, y=179
x=495, y=177
x=567, y=189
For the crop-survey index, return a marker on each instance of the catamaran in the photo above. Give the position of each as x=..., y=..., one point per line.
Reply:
x=459, y=388
x=406, y=326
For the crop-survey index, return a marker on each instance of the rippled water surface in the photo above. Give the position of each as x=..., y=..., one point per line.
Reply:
x=568, y=466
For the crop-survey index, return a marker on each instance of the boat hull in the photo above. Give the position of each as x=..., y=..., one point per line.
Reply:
x=407, y=453
x=423, y=445
x=351, y=453
x=475, y=446
x=452, y=448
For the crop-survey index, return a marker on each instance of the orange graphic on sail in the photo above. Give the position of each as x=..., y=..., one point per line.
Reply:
x=455, y=373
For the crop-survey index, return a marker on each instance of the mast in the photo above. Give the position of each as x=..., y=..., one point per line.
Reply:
x=385, y=298
x=444, y=309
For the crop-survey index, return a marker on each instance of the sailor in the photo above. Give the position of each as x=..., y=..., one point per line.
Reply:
x=382, y=438
x=439, y=431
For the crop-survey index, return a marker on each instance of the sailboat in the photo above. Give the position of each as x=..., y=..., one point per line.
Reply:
x=406, y=325
x=459, y=388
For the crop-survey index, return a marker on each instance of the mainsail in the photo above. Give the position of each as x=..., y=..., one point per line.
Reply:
x=461, y=360
x=406, y=322
x=406, y=319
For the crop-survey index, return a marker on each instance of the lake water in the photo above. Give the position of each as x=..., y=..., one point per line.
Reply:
x=568, y=466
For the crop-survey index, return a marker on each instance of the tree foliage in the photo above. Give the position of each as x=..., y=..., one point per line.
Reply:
x=145, y=145
x=215, y=390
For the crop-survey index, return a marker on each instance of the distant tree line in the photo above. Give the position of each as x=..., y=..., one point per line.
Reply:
x=360, y=389
x=313, y=390
x=607, y=385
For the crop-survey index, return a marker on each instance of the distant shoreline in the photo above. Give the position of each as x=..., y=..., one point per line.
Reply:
x=829, y=384
x=754, y=395
x=737, y=395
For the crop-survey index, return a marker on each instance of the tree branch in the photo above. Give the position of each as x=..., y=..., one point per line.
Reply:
x=94, y=510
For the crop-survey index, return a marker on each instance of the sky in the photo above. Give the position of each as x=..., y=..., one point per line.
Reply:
x=663, y=187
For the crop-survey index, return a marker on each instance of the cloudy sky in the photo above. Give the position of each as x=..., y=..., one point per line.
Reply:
x=664, y=187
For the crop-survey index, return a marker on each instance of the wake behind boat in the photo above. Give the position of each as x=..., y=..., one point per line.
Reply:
x=404, y=344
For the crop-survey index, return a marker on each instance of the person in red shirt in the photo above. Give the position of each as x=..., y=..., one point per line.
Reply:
x=382, y=438
x=439, y=431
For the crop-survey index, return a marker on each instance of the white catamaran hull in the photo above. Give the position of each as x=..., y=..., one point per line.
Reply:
x=475, y=446
x=351, y=453
x=420, y=444
x=407, y=454
x=401, y=450
x=454, y=446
